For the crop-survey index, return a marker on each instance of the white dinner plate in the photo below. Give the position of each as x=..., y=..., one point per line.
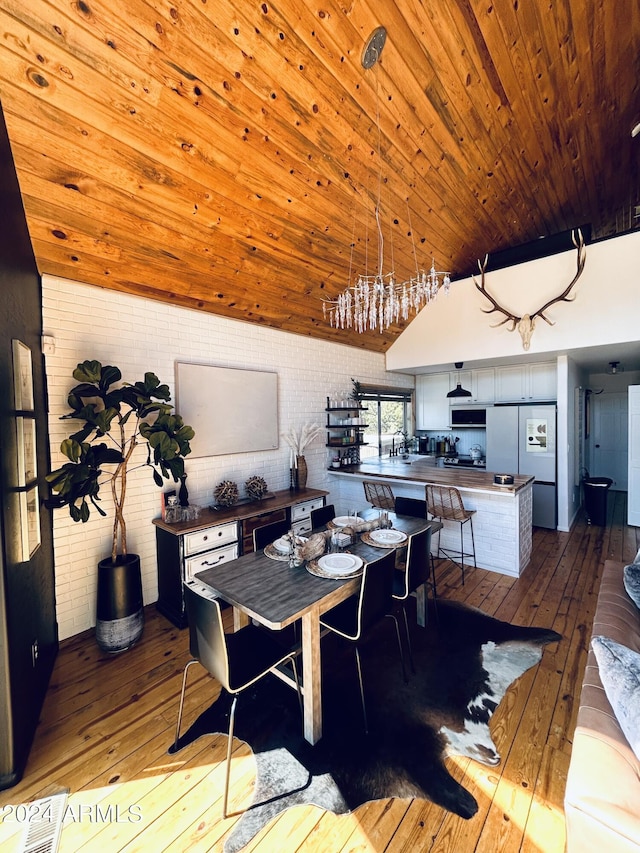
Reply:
x=346, y=520
x=284, y=546
x=388, y=537
x=339, y=564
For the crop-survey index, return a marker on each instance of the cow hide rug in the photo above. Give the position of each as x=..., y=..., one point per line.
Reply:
x=465, y=661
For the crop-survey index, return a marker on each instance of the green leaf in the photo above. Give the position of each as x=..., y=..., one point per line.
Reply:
x=103, y=420
x=88, y=371
x=110, y=375
x=71, y=449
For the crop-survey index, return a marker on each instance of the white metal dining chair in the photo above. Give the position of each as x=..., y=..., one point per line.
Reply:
x=236, y=660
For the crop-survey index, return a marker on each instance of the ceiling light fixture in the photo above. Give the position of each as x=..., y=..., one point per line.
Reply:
x=378, y=301
x=459, y=391
x=614, y=368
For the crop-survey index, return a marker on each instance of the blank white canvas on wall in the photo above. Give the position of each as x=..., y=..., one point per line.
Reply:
x=231, y=410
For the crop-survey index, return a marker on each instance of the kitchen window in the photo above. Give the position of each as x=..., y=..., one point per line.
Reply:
x=388, y=419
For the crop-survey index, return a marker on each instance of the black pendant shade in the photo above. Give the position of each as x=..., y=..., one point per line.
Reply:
x=459, y=391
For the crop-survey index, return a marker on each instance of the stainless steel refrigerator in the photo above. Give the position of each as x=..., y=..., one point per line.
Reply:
x=522, y=440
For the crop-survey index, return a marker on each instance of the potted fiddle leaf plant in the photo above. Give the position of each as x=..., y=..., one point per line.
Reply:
x=127, y=416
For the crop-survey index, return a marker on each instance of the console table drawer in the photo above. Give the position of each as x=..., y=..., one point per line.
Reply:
x=210, y=537
x=210, y=559
x=303, y=510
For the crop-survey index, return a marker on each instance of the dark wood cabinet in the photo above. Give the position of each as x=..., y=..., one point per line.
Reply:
x=248, y=525
x=188, y=547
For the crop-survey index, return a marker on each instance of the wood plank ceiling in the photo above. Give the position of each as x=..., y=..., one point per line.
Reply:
x=225, y=155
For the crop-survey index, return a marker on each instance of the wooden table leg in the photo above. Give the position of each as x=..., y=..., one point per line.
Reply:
x=312, y=676
x=240, y=619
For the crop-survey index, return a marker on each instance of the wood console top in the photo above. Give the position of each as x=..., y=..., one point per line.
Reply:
x=209, y=517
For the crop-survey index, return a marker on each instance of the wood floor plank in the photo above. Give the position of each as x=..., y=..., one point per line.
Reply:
x=107, y=724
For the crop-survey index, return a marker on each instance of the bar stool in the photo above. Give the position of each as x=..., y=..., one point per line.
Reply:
x=380, y=495
x=445, y=504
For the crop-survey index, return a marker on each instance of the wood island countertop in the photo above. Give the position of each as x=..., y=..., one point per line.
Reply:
x=419, y=471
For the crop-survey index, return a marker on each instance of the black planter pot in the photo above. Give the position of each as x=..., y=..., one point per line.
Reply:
x=119, y=611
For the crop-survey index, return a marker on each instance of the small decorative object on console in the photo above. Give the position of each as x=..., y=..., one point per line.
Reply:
x=183, y=493
x=256, y=487
x=503, y=479
x=226, y=493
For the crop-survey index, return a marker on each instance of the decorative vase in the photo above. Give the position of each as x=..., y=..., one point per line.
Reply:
x=119, y=611
x=301, y=472
x=183, y=494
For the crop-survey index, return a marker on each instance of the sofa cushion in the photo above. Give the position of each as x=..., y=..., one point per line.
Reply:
x=619, y=669
x=631, y=575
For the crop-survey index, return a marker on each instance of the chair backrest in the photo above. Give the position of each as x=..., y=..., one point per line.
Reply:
x=375, y=599
x=207, y=642
x=321, y=516
x=411, y=506
x=269, y=532
x=445, y=502
x=379, y=494
x=418, y=565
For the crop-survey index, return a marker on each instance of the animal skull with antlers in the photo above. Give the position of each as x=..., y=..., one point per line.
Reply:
x=526, y=324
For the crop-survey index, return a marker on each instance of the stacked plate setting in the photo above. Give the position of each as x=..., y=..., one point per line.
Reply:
x=339, y=564
x=346, y=520
x=283, y=544
x=387, y=537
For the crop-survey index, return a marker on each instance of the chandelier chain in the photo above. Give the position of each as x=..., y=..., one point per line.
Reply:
x=378, y=301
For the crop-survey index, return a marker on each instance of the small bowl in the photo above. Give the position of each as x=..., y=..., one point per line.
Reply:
x=503, y=479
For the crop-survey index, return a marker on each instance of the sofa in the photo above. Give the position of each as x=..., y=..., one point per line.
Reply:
x=602, y=796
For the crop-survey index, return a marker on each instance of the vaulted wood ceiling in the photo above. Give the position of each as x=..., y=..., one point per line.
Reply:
x=224, y=155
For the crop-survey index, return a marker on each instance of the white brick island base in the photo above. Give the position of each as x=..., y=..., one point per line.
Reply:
x=501, y=525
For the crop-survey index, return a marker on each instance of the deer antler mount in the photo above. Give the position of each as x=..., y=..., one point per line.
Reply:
x=526, y=323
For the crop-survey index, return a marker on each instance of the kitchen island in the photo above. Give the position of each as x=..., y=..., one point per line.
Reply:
x=501, y=524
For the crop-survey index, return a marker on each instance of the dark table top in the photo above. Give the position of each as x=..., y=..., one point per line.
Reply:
x=277, y=595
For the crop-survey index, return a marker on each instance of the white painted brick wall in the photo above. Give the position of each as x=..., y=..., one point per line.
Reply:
x=137, y=335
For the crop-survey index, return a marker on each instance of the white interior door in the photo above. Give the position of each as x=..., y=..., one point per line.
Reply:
x=633, y=498
x=610, y=438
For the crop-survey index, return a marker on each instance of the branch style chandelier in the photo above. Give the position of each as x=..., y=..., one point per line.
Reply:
x=378, y=301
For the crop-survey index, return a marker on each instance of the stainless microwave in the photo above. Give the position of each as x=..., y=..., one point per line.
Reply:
x=461, y=417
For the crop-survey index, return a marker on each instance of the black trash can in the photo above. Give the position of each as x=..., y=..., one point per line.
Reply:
x=595, y=499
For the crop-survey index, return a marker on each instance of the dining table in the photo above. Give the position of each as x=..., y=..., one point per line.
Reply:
x=276, y=594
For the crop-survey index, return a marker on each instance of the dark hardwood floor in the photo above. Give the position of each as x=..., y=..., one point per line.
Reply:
x=107, y=723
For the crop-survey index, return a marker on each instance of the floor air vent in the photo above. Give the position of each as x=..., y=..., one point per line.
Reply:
x=42, y=833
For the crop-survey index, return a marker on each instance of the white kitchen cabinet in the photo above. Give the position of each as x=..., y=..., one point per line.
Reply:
x=520, y=382
x=510, y=384
x=483, y=385
x=480, y=382
x=543, y=381
x=432, y=403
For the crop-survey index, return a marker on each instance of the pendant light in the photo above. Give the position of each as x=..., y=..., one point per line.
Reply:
x=459, y=391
